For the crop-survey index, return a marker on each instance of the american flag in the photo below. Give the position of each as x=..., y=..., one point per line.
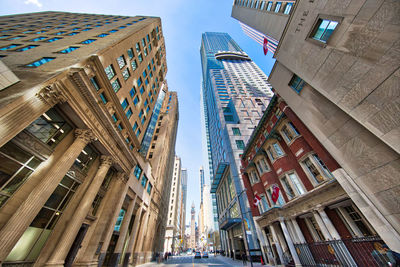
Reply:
x=259, y=37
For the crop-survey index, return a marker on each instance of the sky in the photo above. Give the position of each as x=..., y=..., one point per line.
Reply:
x=183, y=22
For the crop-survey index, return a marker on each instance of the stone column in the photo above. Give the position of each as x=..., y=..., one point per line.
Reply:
x=290, y=242
x=74, y=224
x=139, y=243
x=114, y=216
x=263, y=242
x=132, y=237
x=328, y=223
x=15, y=227
x=322, y=226
x=292, y=232
x=298, y=231
x=122, y=234
x=276, y=241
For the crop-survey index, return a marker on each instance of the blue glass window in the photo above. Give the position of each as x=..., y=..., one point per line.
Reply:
x=139, y=82
x=26, y=48
x=269, y=6
x=132, y=92
x=296, y=83
x=53, y=39
x=141, y=90
x=324, y=29
x=38, y=39
x=239, y=144
x=130, y=53
x=134, y=65
x=59, y=33
x=103, y=98
x=122, y=27
x=114, y=117
x=98, y=25
x=116, y=85
x=4, y=36
x=72, y=33
x=86, y=29
x=120, y=127
x=146, y=82
x=129, y=113
x=136, y=100
x=148, y=38
x=28, y=31
x=68, y=50
x=144, y=180
x=9, y=47
x=110, y=72
x=146, y=102
x=135, y=126
x=149, y=187
x=143, y=119
x=277, y=149
x=144, y=74
x=39, y=32
x=138, y=133
x=88, y=41
x=75, y=29
x=126, y=74
x=112, y=31
x=288, y=7
x=40, y=62
x=140, y=58
x=102, y=35
x=124, y=104
x=149, y=46
x=141, y=113
x=15, y=37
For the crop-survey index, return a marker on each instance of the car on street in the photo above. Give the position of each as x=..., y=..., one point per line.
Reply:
x=197, y=255
x=205, y=254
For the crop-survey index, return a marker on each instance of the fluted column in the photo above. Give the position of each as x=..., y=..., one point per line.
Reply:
x=277, y=244
x=132, y=236
x=122, y=234
x=298, y=231
x=114, y=216
x=328, y=223
x=289, y=241
x=322, y=225
x=15, y=227
x=139, y=243
x=68, y=237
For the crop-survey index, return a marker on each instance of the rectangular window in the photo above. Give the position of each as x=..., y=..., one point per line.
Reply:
x=132, y=92
x=296, y=182
x=121, y=61
x=102, y=35
x=134, y=65
x=26, y=48
x=126, y=74
x=144, y=180
x=278, y=150
x=103, y=98
x=140, y=58
x=40, y=62
x=116, y=85
x=288, y=188
x=278, y=7
x=15, y=38
x=112, y=31
x=72, y=33
x=135, y=126
x=269, y=6
x=324, y=29
x=136, y=100
x=137, y=46
x=130, y=53
x=313, y=170
x=88, y=41
x=114, y=117
x=129, y=113
x=59, y=33
x=93, y=80
x=68, y=50
x=141, y=90
x=288, y=7
x=110, y=72
x=228, y=118
x=236, y=131
x=53, y=39
x=239, y=144
x=9, y=47
x=296, y=83
x=149, y=187
x=38, y=39
x=124, y=104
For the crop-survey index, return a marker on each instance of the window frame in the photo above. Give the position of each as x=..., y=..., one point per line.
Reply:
x=315, y=26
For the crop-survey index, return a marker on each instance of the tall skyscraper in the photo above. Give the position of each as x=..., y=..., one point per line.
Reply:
x=235, y=94
x=201, y=183
x=79, y=100
x=192, y=244
x=184, y=196
x=340, y=82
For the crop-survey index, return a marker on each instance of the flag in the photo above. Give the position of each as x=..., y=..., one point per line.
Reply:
x=275, y=193
x=265, y=46
x=256, y=200
x=260, y=37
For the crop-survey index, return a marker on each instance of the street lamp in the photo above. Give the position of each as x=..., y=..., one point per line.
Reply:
x=243, y=227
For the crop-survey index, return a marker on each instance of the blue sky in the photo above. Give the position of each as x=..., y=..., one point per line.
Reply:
x=183, y=22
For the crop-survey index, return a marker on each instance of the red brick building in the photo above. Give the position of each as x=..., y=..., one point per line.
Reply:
x=303, y=216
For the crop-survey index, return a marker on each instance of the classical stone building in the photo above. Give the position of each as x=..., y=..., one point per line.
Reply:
x=303, y=217
x=87, y=139
x=337, y=67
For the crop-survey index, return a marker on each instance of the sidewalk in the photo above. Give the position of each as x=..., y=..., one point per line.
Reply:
x=232, y=262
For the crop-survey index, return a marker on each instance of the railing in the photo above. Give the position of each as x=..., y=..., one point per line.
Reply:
x=364, y=251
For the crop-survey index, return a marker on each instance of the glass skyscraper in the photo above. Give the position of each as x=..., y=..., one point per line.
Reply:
x=235, y=92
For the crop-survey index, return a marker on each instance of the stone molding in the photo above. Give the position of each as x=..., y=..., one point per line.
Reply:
x=85, y=134
x=51, y=95
x=106, y=160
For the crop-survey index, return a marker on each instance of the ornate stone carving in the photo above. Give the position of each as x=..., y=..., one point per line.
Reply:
x=51, y=95
x=85, y=134
x=106, y=160
x=122, y=176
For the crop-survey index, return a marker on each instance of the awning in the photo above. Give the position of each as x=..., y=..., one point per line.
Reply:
x=229, y=223
x=218, y=176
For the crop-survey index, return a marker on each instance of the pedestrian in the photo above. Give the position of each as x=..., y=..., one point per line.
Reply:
x=244, y=258
x=166, y=256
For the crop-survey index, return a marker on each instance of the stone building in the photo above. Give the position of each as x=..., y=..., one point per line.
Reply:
x=304, y=217
x=78, y=98
x=337, y=68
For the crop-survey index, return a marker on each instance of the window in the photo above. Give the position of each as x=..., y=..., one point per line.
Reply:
x=88, y=41
x=15, y=37
x=362, y=226
x=144, y=74
x=126, y=74
x=228, y=118
x=149, y=187
x=314, y=229
x=53, y=39
x=72, y=33
x=144, y=180
x=269, y=6
x=137, y=46
x=85, y=158
x=119, y=220
x=134, y=65
x=130, y=53
x=9, y=47
x=93, y=80
x=263, y=205
x=236, y=131
x=103, y=98
x=262, y=165
x=277, y=150
x=40, y=62
x=254, y=177
x=132, y=92
x=110, y=72
x=141, y=90
x=124, y=104
x=278, y=7
x=136, y=100
x=112, y=31
x=86, y=29
x=296, y=83
x=324, y=29
x=102, y=35
x=59, y=33
x=288, y=188
x=140, y=58
x=288, y=7
x=239, y=144
x=289, y=132
x=114, y=117
x=116, y=85
x=26, y=48
x=129, y=113
x=38, y=39
x=121, y=61
x=68, y=50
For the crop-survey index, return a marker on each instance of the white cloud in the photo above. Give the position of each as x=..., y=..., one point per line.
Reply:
x=35, y=2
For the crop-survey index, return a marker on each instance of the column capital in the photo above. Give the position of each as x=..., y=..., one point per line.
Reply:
x=51, y=95
x=85, y=134
x=319, y=208
x=106, y=160
x=122, y=176
x=281, y=219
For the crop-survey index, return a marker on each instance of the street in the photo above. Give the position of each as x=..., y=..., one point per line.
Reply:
x=190, y=261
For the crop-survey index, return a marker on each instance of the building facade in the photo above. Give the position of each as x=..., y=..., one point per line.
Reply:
x=71, y=134
x=174, y=210
x=192, y=243
x=235, y=93
x=336, y=68
x=303, y=217
x=183, y=210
